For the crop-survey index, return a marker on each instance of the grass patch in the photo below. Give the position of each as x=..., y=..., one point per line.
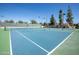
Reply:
x=4, y=42
x=70, y=46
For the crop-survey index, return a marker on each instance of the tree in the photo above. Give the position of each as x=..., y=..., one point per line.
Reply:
x=69, y=16
x=61, y=14
x=77, y=26
x=52, y=20
x=45, y=24
x=11, y=21
x=20, y=21
x=6, y=21
x=33, y=22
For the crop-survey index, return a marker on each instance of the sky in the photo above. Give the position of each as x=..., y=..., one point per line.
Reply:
x=40, y=12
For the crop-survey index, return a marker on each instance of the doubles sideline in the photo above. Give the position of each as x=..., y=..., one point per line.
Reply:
x=10, y=43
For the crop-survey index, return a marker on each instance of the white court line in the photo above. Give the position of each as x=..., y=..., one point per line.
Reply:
x=10, y=44
x=60, y=44
x=32, y=41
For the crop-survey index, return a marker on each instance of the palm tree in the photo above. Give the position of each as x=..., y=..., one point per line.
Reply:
x=61, y=14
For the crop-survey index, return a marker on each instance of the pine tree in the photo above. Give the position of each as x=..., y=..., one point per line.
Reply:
x=52, y=21
x=69, y=16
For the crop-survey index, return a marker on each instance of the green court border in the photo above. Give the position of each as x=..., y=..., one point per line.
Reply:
x=4, y=42
x=70, y=46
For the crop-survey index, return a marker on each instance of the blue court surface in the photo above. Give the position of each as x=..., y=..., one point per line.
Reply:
x=28, y=41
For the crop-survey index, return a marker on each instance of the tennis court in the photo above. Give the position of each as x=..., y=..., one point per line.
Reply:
x=36, y=41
